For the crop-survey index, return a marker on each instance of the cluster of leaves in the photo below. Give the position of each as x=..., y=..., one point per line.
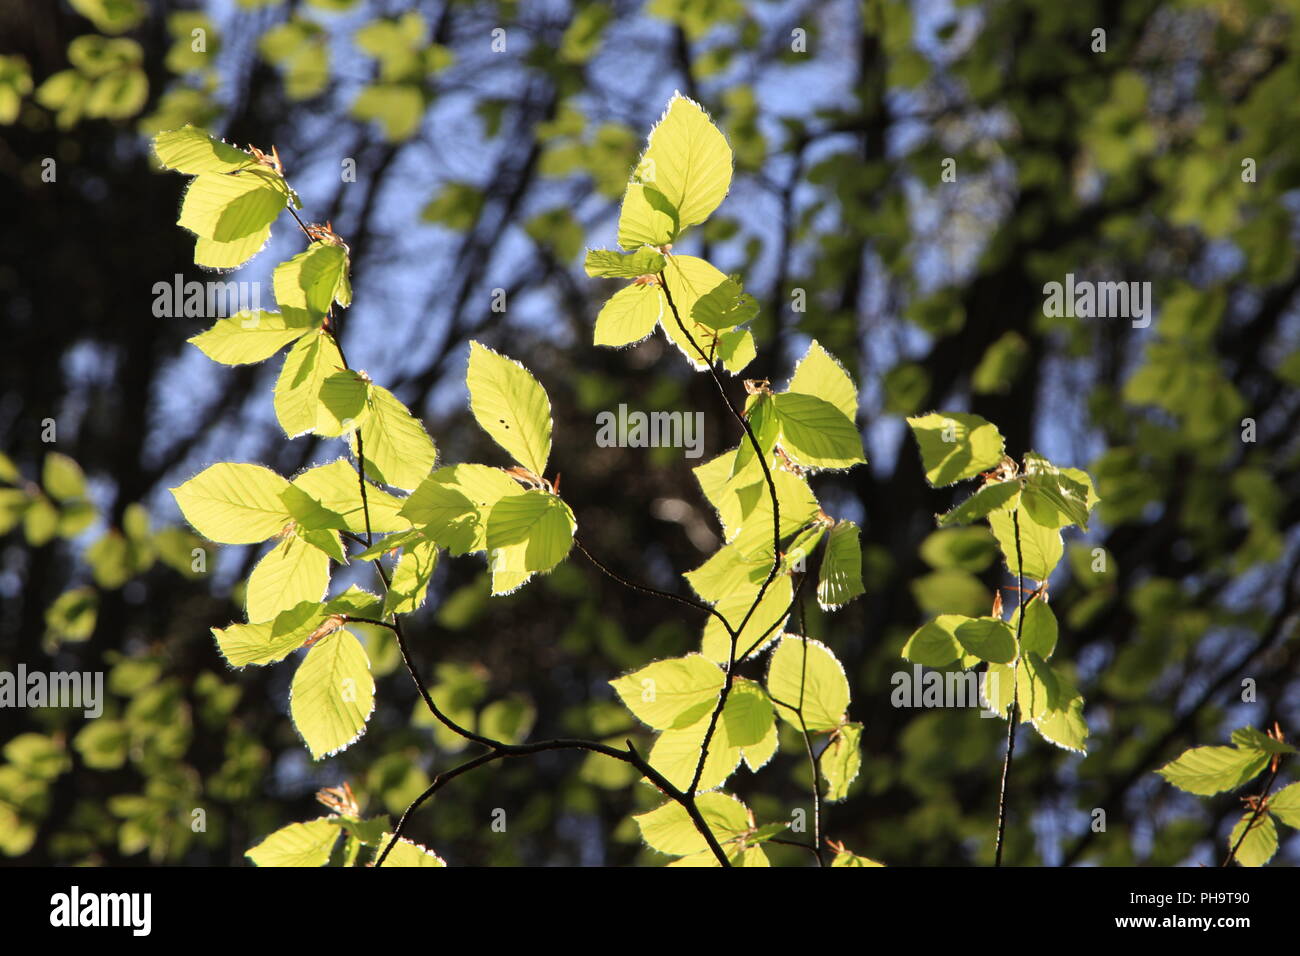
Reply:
x=59, y=506
x=1206, y=771
x=1026, y=506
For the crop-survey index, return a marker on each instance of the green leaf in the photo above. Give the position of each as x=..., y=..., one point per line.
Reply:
x=768, y=618
x=1040, y=548
x=529, y=533
x=688, y=278
x=990, y=497
x=672, y=693
x=629, y=315
x=289, y=574
x=1040, y=631
x=934, y=643
x=1285, y=805
x=333, y=694
x=820, y=375
x=307, y=285
x=398, y=451
x=452, y=505
x=688, y=160
x=676, y=754
x=845, y=858
x=511, y=406
x=191, y=151
x=298, y=844
x=234, y=503
x=1063, y=723
x=669, y=828
x=1054, y=501
x=747, y=718
x=269, y=641
x=247, y=337
x=724, y=307
x=312, y=360
x=229, y=206
x=410, y=580
x=408, y=853
x=956, y=446
x=817, y=434
x=988, y=638
x=62, y=478
x=308, y=511
x=610, y=263
x=1248, y=738
x=1210, y=770
x=646, y=218
x=214, y=254
x=1260, y=841
x=736, y=349
x=841, y=761
x=72, y=616
x=343, y=404
x=817, y=684
x=337, y=487
x=840, y=576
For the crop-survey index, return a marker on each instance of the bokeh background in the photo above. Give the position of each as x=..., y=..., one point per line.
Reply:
x=479, y=168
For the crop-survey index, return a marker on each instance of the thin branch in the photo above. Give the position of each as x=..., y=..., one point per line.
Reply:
x=1014, y=715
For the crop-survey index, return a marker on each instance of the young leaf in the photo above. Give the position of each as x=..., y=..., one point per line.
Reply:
x=538, y=527
x=313, y=359
x=410, y=581
x=408, y=853
x=672, y=693
x=290, y=573
x=1260, y=842
x=646, y=218
x=234, y=503
x=336, y=486
x=1285, y=805
x=688, y=160
x=956, y=446
x=817, y=434
x=1040, y=548
x=610, y=263
x=629, y=316
x=820, y=375
x=768, y=618
x=934, y=644
x=511, y=406
x=269, y=641
x=988, y=638
x=452, y=504
x=191, y=151
x=1209, y=770
x=298, y=844
x=333, y=694
x=814, y=681
x=840, y=576
x=989, y=498
x=676, y=753
x=669, y=828
x=399, y=452
x=307, y=285
x=247, y=337
x=841, y=761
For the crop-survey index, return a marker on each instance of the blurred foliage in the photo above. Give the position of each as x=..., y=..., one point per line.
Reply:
x=475, y=147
